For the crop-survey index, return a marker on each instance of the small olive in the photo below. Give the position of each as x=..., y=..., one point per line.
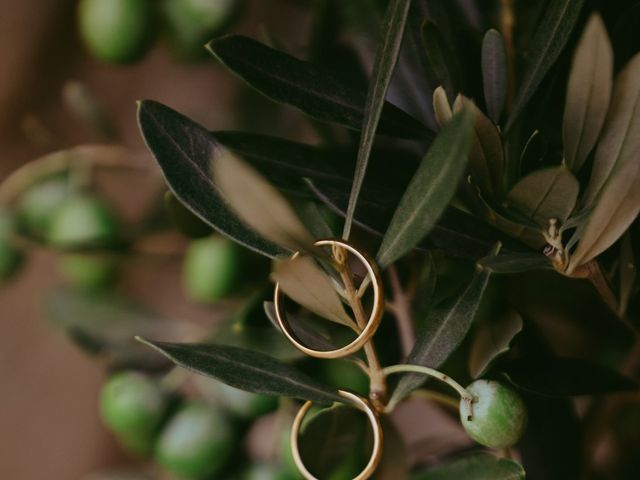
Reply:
x=499, y=414
x=39, y=202
x=196, y=442
x=89, y=273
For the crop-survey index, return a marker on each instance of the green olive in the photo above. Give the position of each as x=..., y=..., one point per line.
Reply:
x=246, y=405
x=39, y=202
x=11, y=257
x=83, y=220
x=192, y=23
x=499, y=414
x=90, y=273
x=117, y=31
x=210, y=269
x=133, y=406
x=196, y=442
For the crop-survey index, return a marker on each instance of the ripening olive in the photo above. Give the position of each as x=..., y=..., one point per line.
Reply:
x=133, y=406
x=499, y=414
x=210, y=269
x=117, y=31
x=196, y=442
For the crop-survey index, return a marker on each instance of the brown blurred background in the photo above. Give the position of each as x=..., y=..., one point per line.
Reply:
x=49, y=389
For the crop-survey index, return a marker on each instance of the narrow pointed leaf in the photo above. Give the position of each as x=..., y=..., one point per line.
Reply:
x=480, y=466
x=444, y=331
x=494, y=73
x=430, y=191
x=185, y=154
x=247, y=370
x=493, y=339
x=308, y=87
x=259, y=204
x=515, y=262
x=441, y=106
x=548, y=42
x=588, y=93
x=385, y=62
x=305, y=283
x=614, y=187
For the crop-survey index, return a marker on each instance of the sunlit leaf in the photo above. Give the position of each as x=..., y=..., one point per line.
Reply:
x=479, y=466
x=588, y=93
x=615, y=180
x=385, y=61
x=305, y=283
x=247, y=370
x=493, y=339
x=259, y=204
x=441, y=106
x=494, y=73
x=308, y=87
x=430, y=191
x=544, y=49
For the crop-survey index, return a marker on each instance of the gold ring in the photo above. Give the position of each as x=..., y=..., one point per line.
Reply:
x=363, y=404
x=374, y=318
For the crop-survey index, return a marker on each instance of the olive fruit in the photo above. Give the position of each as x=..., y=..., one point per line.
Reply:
x=196, y=442
x=210, y=269
x=192, y=23
x=499, y=414
x=244, y=404
x=133, y=406
x=38, y=203
x=90, y=273
x=117, y=31
x=11, y=257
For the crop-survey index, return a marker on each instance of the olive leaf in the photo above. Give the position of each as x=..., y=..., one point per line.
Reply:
x=615, y=179
x=588, y=93
x=308, y=87
x=444, y=330
x=544, y=49
x=305, y=283
x=385, y=61
x=492, y=340
x=545, y=194
x=430, y=191
x=441, y=106
x=245, y=369
x=494, y=73
x=515, y=262
x=259, y=204
x=478, y=466
x=486, y=160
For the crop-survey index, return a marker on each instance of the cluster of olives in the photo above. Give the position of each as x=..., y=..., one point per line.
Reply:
x=122, y=31
x=190, y=438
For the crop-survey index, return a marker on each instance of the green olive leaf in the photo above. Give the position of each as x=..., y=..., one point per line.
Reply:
x=486, y=161
x=545, y=194
x=315, y=91
x=479, y=466
x=492, y=339
x=445, y=329
x=245, y=369
x=515, y=262
x=545, y=47
x=614, y=187
x=259, y=204
x=305, y=283
x=494, y=73
x=441, y=106
x=588, y=93
x=430, y=190
x=386, y=58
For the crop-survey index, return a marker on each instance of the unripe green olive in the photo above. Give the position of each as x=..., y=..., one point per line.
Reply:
x=210, y=269
x=196, y=442
x=89, y=273
x=244, y=404
x=499, y=414
x=39, y=202
x=192, y=23
x=117, y=31
x=82, y=220
x=133, y=406
x=11, y=257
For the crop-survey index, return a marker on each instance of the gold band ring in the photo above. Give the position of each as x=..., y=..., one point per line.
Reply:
x=374, y=318
x=363, y=404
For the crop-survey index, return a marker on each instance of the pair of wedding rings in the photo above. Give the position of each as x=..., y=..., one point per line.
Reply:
x=363, y=337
